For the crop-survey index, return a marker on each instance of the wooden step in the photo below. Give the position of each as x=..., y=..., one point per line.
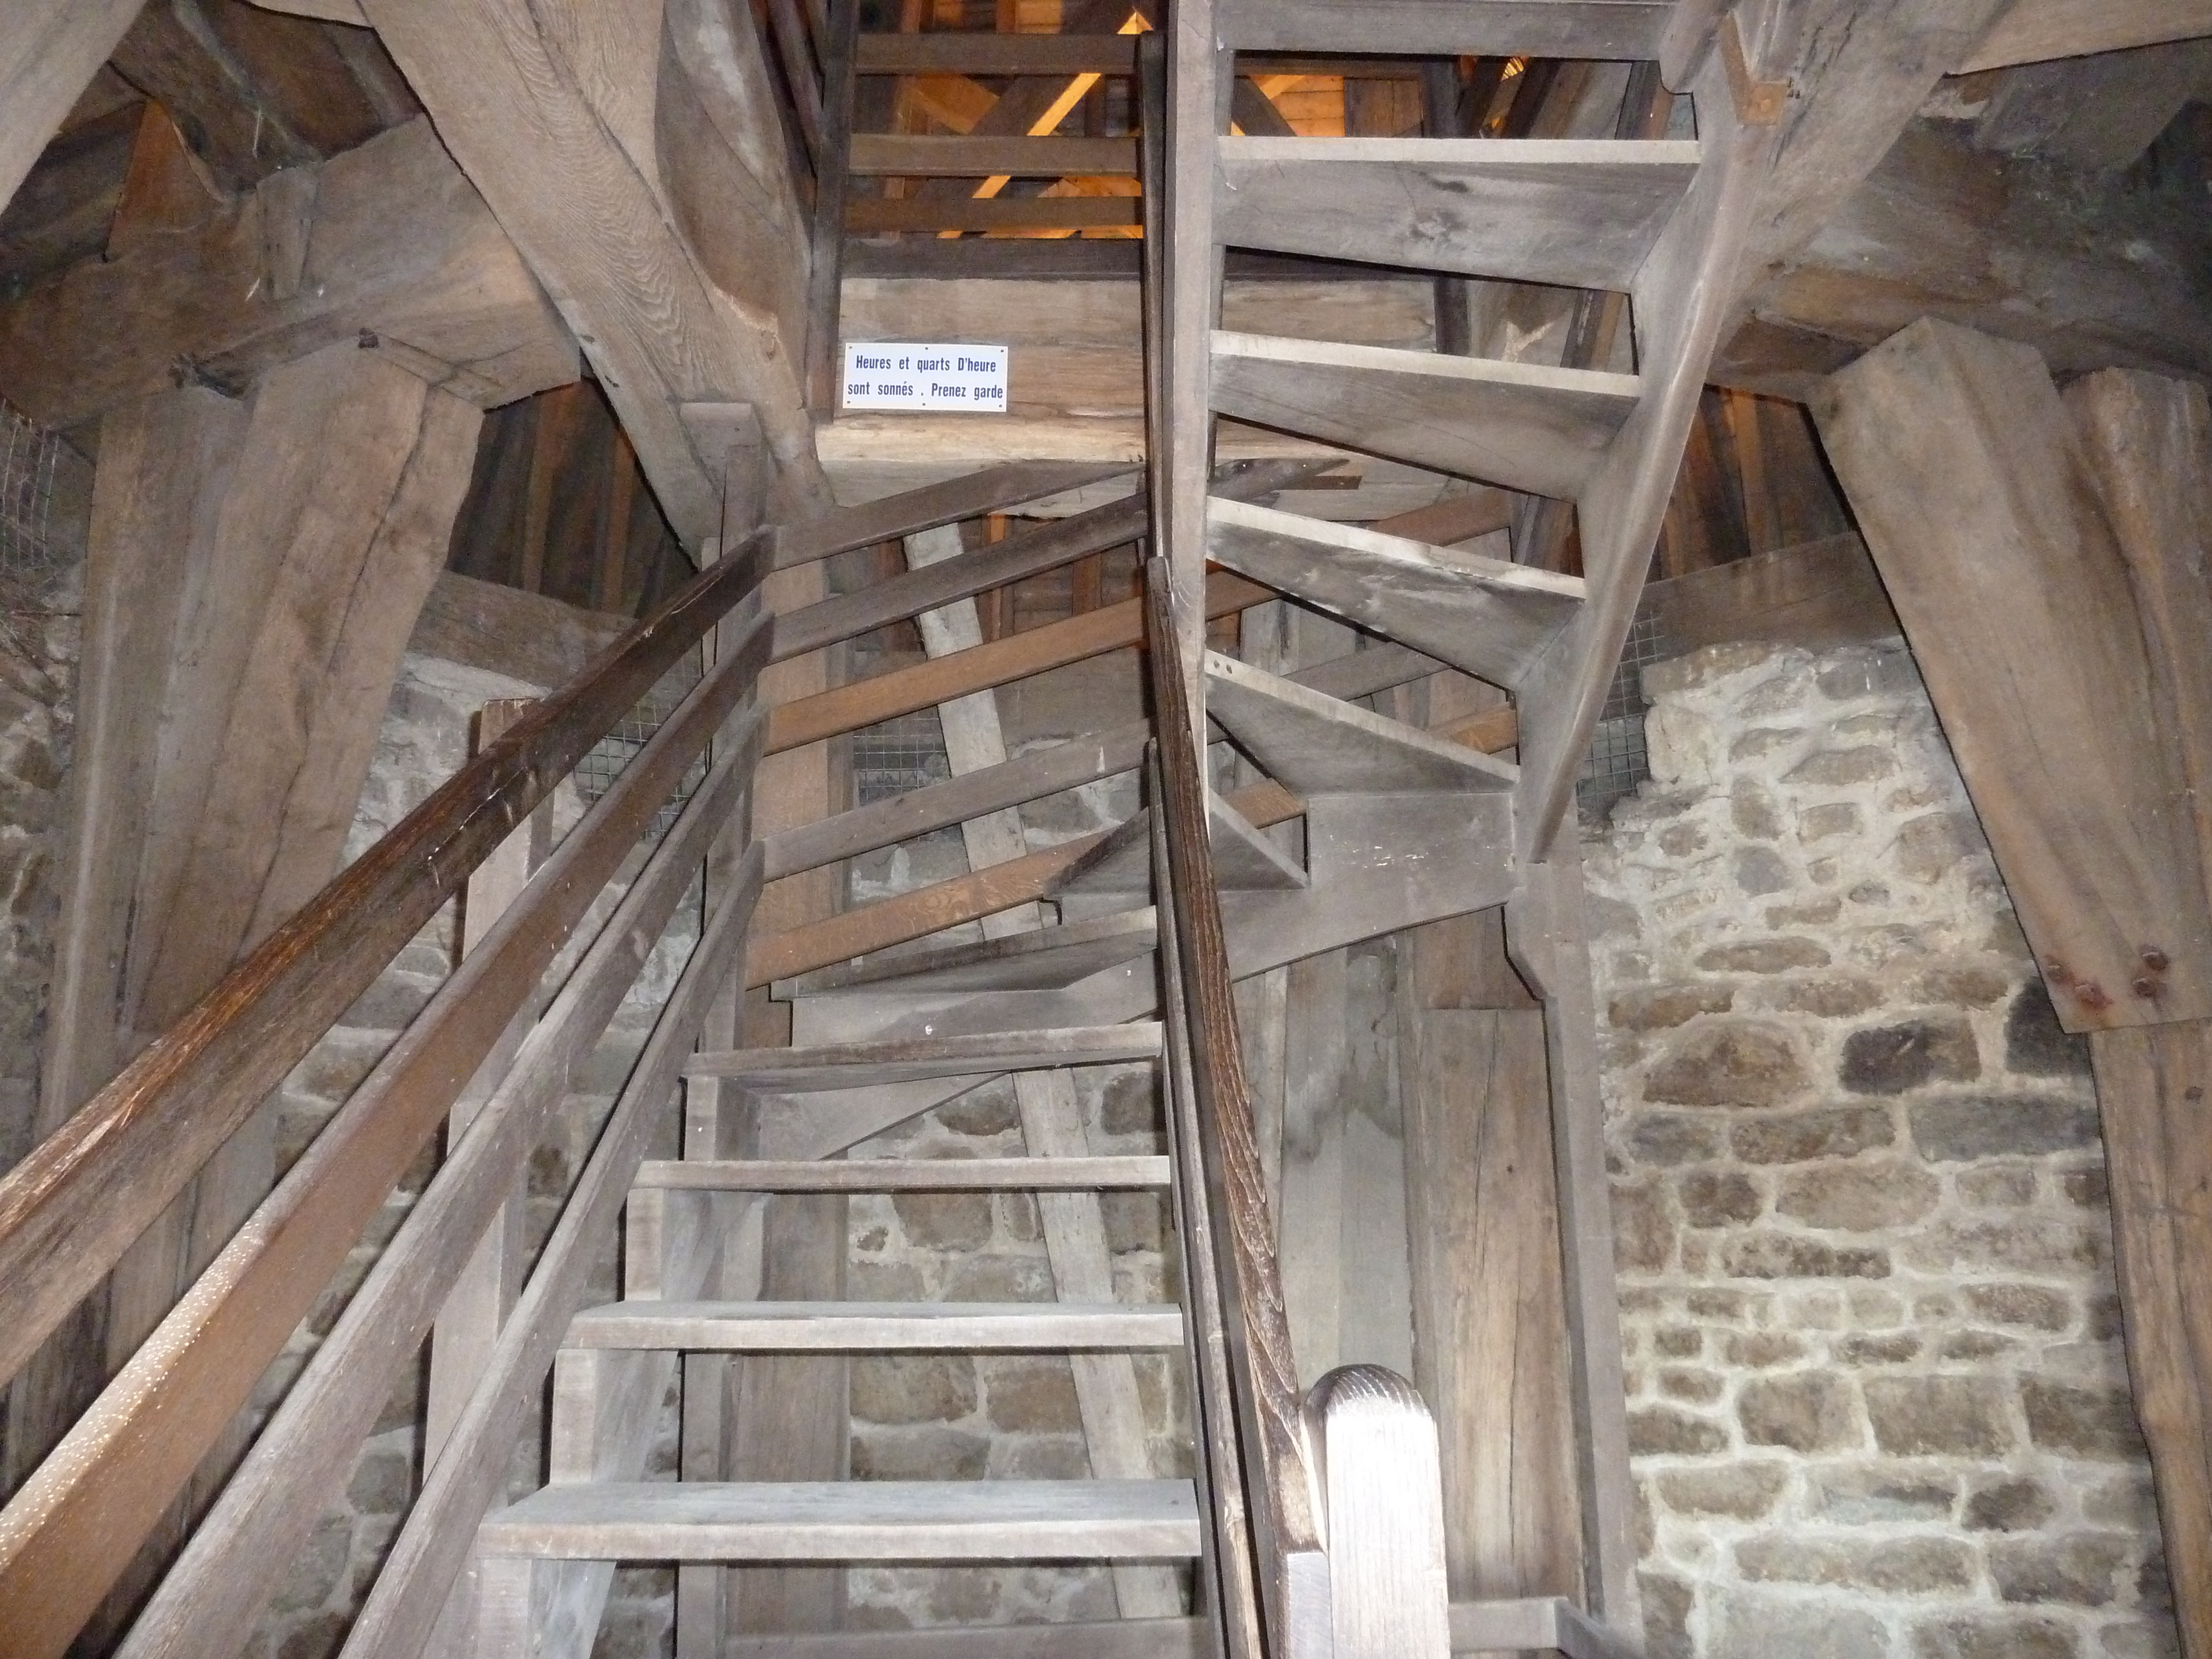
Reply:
x=910, y=1059
x=877, y=1327
x=1521, y=426
x=849, y=1521
x=1577, y=212
x=903, y=1175
x=1245, y=860
x=1615, y=31
x=1488, y=617
x=1045, y=960
x=1316, y=746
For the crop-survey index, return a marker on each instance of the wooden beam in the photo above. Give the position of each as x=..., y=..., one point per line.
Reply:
x=1963, y=469
x=870, y=214
x=877, y=155
x=48, y=54
x=532, y=116
x=504, y=630
x=400, y=251
x=1613, y=29
x=2029, y=31
x=1818, y=595
x=969, y=53
x=237, y=133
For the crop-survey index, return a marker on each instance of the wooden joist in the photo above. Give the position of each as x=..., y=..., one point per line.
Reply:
x=49, y=53
x=972, y=53
x=1048, y=958
x=991, y=490
x=1114, y=1638
x=2029, y=31
x=1613, y=29
x=878, y=156
x=887, y=1174
x=871, y=214
x=876, y=1326
x=863, y=1065
x=1315, y=745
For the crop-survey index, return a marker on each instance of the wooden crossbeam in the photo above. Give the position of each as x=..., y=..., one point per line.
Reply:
x=964, y=53
x=880, y=213
x=878, y=154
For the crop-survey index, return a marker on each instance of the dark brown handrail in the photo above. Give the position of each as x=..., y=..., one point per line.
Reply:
x=1255, y=1323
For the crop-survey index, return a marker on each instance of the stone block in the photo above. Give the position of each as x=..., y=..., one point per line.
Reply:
x=2081, y=1569
x=1682, y=840
x=1897, y=1566
x=1642, y=1229
x=2028, y=1242
x=1842, y=768
x=1663, y=1430
x=1752, y=815
x=1764, y=956
x=1879, y=1348
x=1738, y=1491
x=1759, y=1350
x=1716, y=1198
x=1752, y=1625
x=1706, y=667
x=1759, y=870
x=2028, y=1306
x=1814, y=912
x=2035, y=1043
x=2092, y=1423
x=1690, y=1385
x=1930, y=845
x=1858, y=671
x=1969, y=1635
x=1667, y=1603
x=1964, y=985
x=1660, y=1007
x=956, y=1221
x=318, y=1569
x=1784, y=1255
x=1835, y=818
x=1861, y=1196
x=1131, y=1104
x=1735, y=1063
x=1830, y=999
x=1872, y=1494
x=999, y=1278
x=1939, y=1416
x=1670, y=1137
x=985, y=1111
x=1823, y=1132
x=1031, y=1397
x=2000, y=1186
x=1804, y=1411
x=913, y=1388
x=1678, y=1342
x=382, y=1483
x=1955, y=1127
x=2019, y=1506
x=1133, y=1220
x=920, y=1455
x=1889, y=1060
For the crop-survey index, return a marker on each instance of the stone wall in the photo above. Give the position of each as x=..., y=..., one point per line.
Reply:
x=1878, y=1404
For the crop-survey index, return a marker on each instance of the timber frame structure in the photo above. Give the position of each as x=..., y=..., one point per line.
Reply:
x=1400, y=315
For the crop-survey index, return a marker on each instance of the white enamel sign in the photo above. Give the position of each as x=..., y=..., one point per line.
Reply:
x=900, y=374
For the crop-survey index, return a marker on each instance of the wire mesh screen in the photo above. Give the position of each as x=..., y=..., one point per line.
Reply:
x=597, y=772
x=899, y=755
x=1618, y=761
x=28, y=458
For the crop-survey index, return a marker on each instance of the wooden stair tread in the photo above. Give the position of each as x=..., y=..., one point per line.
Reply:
x=907, y=1059
x=849, y=1521
x=1614, y=30
x=876, y=1326
x=1316, y=746
x=1521, y=426
x=1045, y=960
x=886, y=1175
x=1245, y=860
x=1578, y=212
x=1484, y=617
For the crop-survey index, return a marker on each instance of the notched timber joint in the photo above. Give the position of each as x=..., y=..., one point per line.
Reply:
x=1758, y=103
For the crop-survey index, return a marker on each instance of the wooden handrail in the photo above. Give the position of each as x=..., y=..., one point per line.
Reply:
x=1378, y=1477
x=77, y=1200
x=1256, y=1324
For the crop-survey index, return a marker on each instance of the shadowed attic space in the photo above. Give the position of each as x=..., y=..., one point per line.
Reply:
x=1512, y=955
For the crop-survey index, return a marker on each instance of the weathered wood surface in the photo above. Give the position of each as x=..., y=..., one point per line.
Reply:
x=1314, y=745
x=1520, y=426
x=398, y=247
x=882, y=1174
x=1380, y=1475
x=70, y=1207
x=208, y=1605
x=1961, y=464
x=2029, y=31
x=872, y=214
x=991, y=490
x=1579, y=212
x=1495, y=620
x=859, y=1065
x=524, y=636
x=877, y=1327
x=1441, y=28
x=1543, y=1622
x=2151, y=1086
x=546, y=118
x=997, y=54
x=1818, y=595
x=852, y=1521
x=1119, y=1638
x=50, y=51
x=895, y=156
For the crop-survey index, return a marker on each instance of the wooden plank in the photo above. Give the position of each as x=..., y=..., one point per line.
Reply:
x=991, y=490
x=1486, y=616
x=2029, y=31
x=1118, y=1638
x=1386, y=1524
x=53, y=47
x=825, y=256
x=877, y=155
x=1314, y=745
x=1521, y=426
x=1489, y=1332
x=861, y=1065
x=869, y=215
x=1582, y=212
x=854, y=1521
x=89, y=1188
x=398, y=244
x=883, y=1174
x=2150, y=1090
x=524, y=636
x=969, y=53
x=2035, y=655
x=1817, y=594
x=1441, y=28
x=433, y=1547
x=530, y=124
x=1047, y=958
x=164, y=466
x=876, y=1326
